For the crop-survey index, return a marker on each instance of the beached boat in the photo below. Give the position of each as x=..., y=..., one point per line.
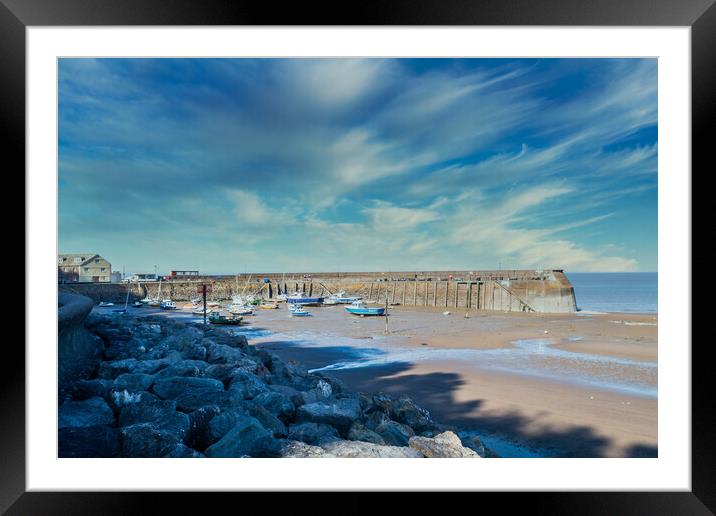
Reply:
x=268, y=306
x=240, y=310
x=360, y=308
x=138, y=304
x=298, y=298
x=330, y=301
x=342, y=298
x=199, y=310
x=299, y=311
x=105, y=303
x=168, y=304
x=281, y=297
x=216, y=317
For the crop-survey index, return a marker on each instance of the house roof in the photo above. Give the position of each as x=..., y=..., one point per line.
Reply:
x=71, y=258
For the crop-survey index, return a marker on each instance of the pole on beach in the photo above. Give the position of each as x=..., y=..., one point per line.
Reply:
x=203, y=295
x=386, y=313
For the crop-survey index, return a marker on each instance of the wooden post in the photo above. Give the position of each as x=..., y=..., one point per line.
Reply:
x=447, y=289
x=393, y=296
x=370, y=293
x=405, y=286
x=270, y=291
x=425, y=303
x=203, y=295
x=310, y=289
x=469, y=295
x=377, y=294
x=435, y=293
x=415, y=292
x=457, y=292
x=285, y=288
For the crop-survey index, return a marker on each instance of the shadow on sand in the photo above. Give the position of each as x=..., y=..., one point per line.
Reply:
x=436, y=392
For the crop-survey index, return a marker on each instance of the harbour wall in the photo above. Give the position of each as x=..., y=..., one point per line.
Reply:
x=546, y=291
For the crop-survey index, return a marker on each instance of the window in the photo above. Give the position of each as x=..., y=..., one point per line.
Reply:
x=102, y=269
x=86, y=269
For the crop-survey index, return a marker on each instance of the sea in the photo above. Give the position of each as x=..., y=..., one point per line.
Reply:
x=615, y=291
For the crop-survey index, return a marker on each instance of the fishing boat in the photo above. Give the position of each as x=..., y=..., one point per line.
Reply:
x=216, y=317
x=342, y=298
x=330, y=301
x=297, y=298
x=281, y=297
x=360, y=308
x=146, y=300
x=268, y=306
x=105, y=303
x=240, y=310
x=199, y=310
x=138, y=304
x=299, y=311
x=168, y=304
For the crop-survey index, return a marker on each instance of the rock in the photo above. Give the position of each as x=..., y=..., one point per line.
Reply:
x=312, y=433
x=199, y=420
x=151, y=366
x=296, y=449
x=351, y=449
x=86, y=389
x=91, y=412
x=358, y=432
x=147, y=440
x=172, y=388
x=221, y=372
x=192, y=393
x=220, y=424
x=338, y=413
x=394, y=433
x=445, y=445
x=246, y=385
x=246, y=438
x=188, y=342
x=119, y=399
x=382, y=402
x=111, y=370
x=269, y=421
x=133, y=382
x=375, y=419
x=181, y=451
x=277, y=404
x=321, y=392
x=223, y=354
x=88, y=441
x=405, y=411
x=183, y=368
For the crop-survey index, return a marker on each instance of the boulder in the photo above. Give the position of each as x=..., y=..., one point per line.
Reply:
x=382, y=402
x=445, y=445
x=223, y=354
x=338, y=413
x=183, y=368
x=375, y=419
x=147, y=440
x=405, y=411
x=220, y=424
x=181, y=451
x=192, y=393
x=312, y=433
x=88, y=441
x=269, y=421
x=188, y=342
x=321, y=392
x=119, y=399
x=358, y=432
x=248, y=438
x=296, y=449
x=86, y=389
x=161, y=413
x=198, y=437
x=394, y=433
x=277, y=404
x=351, y=449
x=221, y=372
x=246, y=385
x=91, y=412
x=133, y=382
x=111, y=370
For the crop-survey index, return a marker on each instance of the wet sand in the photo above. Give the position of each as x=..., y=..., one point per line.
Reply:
x=567, y=385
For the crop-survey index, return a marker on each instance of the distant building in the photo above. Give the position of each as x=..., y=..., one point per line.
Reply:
x=83, y=268
x=182, y=275
x=116, y=277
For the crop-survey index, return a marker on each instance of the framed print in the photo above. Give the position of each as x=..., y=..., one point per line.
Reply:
x=455, y=232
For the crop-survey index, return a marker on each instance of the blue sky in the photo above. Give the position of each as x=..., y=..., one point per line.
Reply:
x=241, y=165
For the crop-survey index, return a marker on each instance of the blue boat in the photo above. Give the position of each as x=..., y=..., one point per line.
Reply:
x=299, y=299
x=299, y=311
x=360, y=308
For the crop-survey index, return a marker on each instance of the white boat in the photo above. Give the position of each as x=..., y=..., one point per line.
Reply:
x=281, y=297
x=299, y=311
x=199, y=310
x=240, y=310
x=168, y=304
x=342, y=298
x=330, y=301
x=360, y=308
x=105, y=303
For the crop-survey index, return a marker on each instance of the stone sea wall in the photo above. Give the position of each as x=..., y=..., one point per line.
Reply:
x=162, y=388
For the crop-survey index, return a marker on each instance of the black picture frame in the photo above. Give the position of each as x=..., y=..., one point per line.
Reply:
x=17, y=15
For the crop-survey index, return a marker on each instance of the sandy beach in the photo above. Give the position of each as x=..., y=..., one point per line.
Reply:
x=555, y=385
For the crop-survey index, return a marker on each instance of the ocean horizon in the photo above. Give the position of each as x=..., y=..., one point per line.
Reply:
x=635, y=292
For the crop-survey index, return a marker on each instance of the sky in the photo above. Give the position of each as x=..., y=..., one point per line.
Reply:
x=287, y=165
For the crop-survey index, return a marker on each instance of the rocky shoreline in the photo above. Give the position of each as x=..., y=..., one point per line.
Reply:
x=161, y=388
